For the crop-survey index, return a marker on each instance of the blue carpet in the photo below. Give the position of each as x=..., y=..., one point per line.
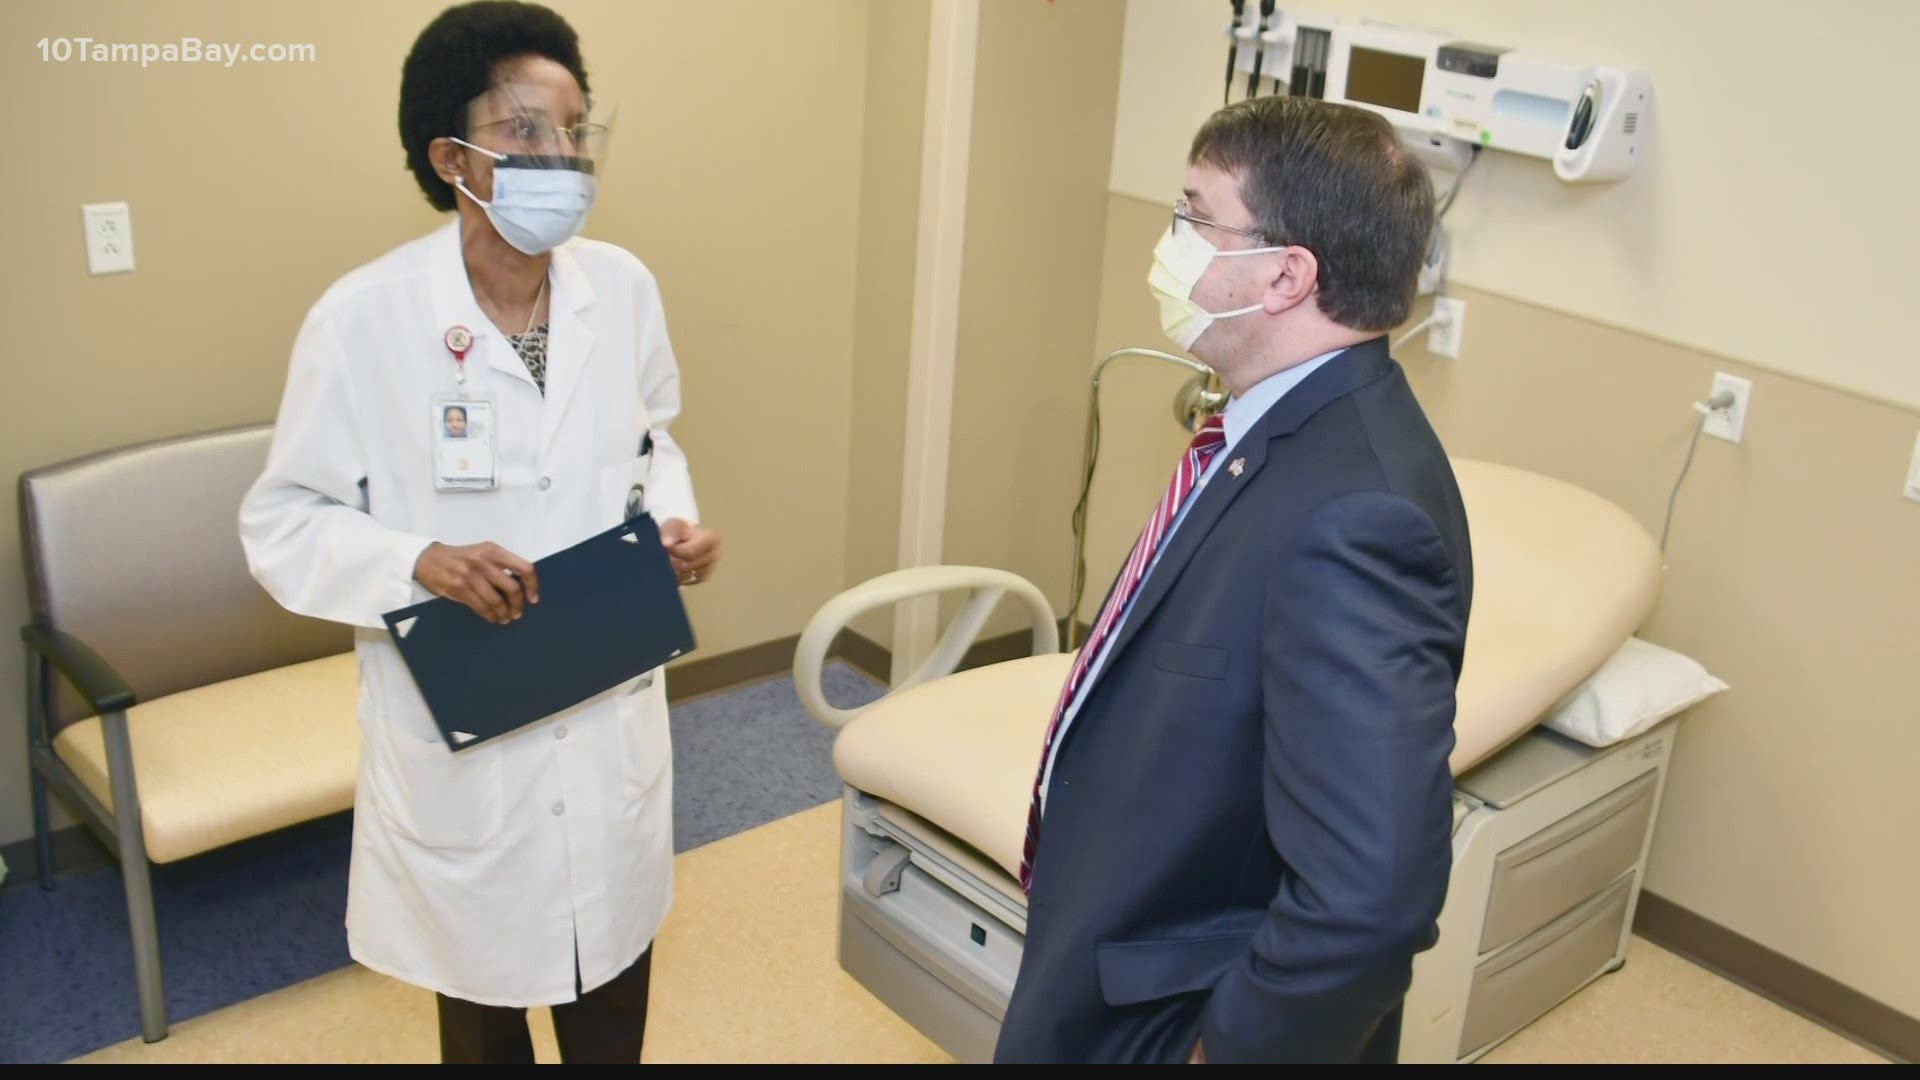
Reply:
x=753, y=755
x=261, y=916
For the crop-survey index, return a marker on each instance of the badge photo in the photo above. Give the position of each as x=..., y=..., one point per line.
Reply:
x=463, y=442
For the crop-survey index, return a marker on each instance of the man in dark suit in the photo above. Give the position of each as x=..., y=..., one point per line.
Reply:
x=1240, y=834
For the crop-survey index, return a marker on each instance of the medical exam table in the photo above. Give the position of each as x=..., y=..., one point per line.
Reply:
x=1550, y=835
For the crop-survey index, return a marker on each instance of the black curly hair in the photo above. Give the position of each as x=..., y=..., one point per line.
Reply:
x=454, y=60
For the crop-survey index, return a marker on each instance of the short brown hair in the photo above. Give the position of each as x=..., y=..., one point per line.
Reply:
x=1335, y=180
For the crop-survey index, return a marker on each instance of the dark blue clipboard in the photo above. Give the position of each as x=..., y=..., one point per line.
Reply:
x=609, y=611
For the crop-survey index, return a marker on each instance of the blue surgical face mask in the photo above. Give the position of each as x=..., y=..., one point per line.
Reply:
x=538, y=203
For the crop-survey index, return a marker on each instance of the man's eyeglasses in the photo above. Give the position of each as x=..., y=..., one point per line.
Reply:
x=1184, y=212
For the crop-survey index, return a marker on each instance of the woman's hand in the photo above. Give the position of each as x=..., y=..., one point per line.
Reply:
x=494, y=582
x=693, y=549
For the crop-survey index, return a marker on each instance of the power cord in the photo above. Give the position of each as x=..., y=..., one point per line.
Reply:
x=1080, y=522
x=1717, y=403
x=1092, y=459
x=1433, y=268
x=1460, y=178
x=1438, y=317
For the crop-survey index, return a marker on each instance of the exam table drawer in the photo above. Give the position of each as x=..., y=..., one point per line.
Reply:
x=1555, y=870
x=1519, y=986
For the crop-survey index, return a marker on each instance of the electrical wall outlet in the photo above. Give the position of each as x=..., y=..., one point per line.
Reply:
x=1913, y=473
x=1729, y=424
x=1444, y=338
x=109, y=238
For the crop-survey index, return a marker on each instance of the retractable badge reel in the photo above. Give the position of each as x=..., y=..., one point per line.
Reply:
x=463, y=428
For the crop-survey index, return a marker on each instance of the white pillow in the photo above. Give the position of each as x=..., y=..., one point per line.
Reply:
x=1641, y=685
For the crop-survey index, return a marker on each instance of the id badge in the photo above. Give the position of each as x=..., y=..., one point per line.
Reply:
x=464, y=442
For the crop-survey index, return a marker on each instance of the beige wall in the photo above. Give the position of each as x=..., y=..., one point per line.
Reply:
x=734, y=173
x=883, y=307
x=1791, y=812
x=1770, y=220
x=1042, y=132
x=1597, y=315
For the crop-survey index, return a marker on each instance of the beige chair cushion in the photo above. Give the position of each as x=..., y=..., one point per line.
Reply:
x=1561, y=579
x=236, y=759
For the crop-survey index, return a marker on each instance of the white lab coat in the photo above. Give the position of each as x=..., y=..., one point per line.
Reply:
x=476, y=875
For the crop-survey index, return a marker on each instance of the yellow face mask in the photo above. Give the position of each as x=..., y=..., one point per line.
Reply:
x=1179, y=259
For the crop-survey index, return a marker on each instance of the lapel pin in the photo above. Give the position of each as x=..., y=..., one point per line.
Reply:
x=1236, y=465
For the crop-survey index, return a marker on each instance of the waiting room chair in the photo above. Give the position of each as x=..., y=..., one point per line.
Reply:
x=192, y=710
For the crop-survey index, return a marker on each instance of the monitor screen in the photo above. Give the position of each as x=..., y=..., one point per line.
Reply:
x=1384, y=79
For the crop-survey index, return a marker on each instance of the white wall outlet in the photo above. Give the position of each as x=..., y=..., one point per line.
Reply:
x=109, y=237
x=1728, y=424
x=1444, y=338
x=1913, y=474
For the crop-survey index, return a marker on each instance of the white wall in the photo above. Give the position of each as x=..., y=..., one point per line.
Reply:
x=1773, y=219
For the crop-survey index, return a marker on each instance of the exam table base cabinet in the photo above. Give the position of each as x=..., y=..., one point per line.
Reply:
x=1550, y=850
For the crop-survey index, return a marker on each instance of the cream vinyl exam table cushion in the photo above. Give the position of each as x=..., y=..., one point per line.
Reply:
x=1562, y=578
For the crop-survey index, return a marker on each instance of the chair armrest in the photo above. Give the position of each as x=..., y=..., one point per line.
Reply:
x=90, y=674
x=988, y=586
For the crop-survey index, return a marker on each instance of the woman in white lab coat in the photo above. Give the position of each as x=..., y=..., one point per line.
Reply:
x=456, y=410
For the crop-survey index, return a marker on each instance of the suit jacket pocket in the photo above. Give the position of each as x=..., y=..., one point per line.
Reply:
x=1200, y=661
x=1135, y=972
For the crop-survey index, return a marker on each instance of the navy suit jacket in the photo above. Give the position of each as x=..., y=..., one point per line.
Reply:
x=1247, y=835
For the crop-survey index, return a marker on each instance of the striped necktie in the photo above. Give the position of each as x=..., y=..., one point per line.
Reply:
x=1206, y=443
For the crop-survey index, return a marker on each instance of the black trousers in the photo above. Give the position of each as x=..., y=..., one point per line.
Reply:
x=604, y=1027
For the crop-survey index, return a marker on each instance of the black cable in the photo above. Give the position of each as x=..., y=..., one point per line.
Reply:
x=1453, y=191
x=1233, y=50
x=1080, y=522
x=1259, y=48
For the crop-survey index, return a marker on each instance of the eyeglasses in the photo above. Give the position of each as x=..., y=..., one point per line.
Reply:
x=1183, y=212
x=538, y=131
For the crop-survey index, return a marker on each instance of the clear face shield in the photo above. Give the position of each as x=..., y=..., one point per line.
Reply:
x=546, y=145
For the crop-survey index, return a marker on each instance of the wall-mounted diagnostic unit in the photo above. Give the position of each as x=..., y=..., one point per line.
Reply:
x=1448, y=93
